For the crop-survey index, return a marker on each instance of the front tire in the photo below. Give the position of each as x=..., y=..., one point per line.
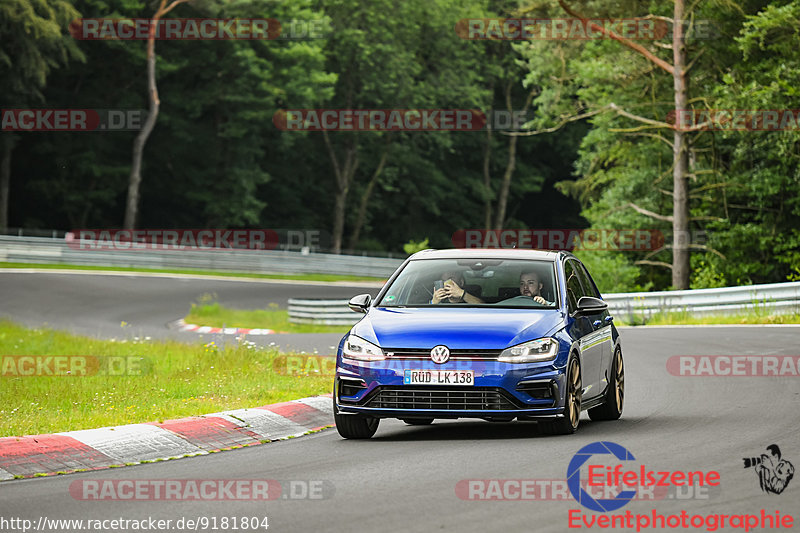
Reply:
x=568, y=424
x=615, y=393
x=354, y=426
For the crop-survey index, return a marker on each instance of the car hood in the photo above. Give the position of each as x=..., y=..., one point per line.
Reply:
x=457, y=328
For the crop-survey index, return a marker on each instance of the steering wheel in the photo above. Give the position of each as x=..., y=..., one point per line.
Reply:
x=524, y=300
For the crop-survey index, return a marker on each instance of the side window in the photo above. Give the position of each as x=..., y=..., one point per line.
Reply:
x=589, y=288
x=574, y=289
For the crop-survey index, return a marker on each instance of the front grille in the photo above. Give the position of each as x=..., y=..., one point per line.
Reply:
x=423, y=353
x=442, y=399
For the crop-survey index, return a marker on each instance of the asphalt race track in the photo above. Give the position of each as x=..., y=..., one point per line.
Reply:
x=97, y=305
x=405, y=478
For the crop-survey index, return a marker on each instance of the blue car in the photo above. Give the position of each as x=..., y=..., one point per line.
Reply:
x=495, y=334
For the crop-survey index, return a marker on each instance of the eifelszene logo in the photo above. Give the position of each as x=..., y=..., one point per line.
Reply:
x=574, y=477
x=774, y=473
x=621, y=480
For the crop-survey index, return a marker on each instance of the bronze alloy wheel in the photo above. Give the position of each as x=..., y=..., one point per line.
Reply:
x=573, y=400
x=564, y=425
x=619, y=380
x=611, y=409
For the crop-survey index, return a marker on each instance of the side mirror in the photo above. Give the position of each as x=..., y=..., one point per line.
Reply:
x=588, y=305
x=360, y=303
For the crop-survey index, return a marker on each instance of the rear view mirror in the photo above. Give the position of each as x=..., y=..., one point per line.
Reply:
x=360, y=303
x=589, y=305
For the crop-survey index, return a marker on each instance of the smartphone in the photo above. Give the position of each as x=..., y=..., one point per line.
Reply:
x=438, y=284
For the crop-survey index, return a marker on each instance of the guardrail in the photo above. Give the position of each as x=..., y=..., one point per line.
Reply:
x=632, y=307
x=773, y=298
x=16, y=249
x=328, y=312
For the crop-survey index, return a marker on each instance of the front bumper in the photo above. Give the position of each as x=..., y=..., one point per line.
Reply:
x=500, y=390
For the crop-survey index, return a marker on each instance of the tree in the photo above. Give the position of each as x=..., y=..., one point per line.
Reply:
x=389, y=55
x=33, y=42
x=248, y=172
x=135, y=180
x=758, y=211
x=616, y=80
x=680, y=163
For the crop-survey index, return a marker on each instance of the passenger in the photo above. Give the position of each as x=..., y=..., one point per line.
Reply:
x=453, y=290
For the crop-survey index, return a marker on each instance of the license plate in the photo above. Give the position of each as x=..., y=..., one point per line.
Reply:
x=439, y=377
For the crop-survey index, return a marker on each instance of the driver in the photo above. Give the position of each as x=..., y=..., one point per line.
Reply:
x=530, y=284
x=453, y=290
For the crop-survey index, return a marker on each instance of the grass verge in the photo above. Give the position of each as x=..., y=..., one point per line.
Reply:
x=296, y=277
x=209, y=313
x=176, y=380
x=684, y=318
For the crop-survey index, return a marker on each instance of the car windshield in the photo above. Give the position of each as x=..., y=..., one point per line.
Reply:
x=483, y=283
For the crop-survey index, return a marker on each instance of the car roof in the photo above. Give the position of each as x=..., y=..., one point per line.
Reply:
x=492, y=253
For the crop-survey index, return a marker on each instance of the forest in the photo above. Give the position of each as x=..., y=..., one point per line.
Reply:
x=678, y=117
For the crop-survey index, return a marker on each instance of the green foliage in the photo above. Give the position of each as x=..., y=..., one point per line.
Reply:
x=706, y=276
x=33, y=41
x=744, y=186
x=611, y=272
x=412, y=247
x=215, y=158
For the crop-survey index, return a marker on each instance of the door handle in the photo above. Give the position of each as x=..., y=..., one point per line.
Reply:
x=596, y=323
x=609, y=319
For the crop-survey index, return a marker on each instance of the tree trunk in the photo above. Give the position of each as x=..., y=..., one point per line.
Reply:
x=680, y=199
x=362, y=207
x=505, y=185
x=344, y=176
x=339, y=206
x=487, y=178
x=135, y=179
x=511, y=164
x=5, y=177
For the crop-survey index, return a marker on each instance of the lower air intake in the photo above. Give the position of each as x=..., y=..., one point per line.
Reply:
x=442, y=399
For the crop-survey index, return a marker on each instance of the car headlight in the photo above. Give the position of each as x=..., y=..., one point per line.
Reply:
x=530, y=352
x=361, y=350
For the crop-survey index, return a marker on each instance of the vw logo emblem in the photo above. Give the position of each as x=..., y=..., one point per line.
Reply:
x=440, y=354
